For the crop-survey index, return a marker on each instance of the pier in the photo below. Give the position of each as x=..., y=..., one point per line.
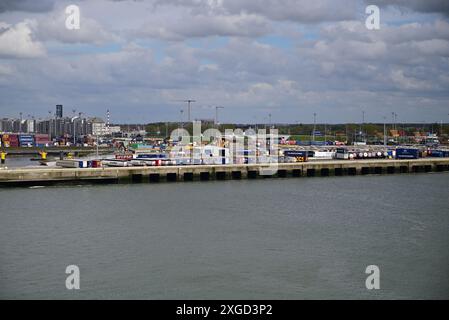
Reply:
x=49, y=176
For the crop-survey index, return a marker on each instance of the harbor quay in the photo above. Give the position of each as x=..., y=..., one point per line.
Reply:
x=49, y=176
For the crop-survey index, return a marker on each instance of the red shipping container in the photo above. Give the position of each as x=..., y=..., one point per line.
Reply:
x=41, y=137
x=14, y=143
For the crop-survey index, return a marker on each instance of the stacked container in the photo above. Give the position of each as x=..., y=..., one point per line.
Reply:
x=26, y=140
x=438, y=153
x=5, y=141
x=405, y=153
x=13, y=140
x=41, y=140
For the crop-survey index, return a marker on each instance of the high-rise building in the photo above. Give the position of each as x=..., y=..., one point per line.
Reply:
x=59, y=112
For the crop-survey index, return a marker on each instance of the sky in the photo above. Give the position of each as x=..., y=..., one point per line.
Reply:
x=255, y=58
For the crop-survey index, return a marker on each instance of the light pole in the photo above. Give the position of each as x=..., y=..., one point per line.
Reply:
x=385, y=131
x=189, y=101
x=216, y=114
x=361, y=126
x=181, y=122
x=314, y=127
x=325, y=138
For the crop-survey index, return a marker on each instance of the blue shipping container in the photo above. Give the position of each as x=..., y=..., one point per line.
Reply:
x=295, y=153
x=403, y=153
x=439, y=153
x=151, y=156
x=25, y=137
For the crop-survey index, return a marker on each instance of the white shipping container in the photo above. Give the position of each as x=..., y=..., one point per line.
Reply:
x=68, y=163
x=324, y=155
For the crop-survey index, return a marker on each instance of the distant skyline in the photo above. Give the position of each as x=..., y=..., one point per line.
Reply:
x=286, y=58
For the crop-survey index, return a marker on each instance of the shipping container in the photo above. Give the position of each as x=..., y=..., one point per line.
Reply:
x=72, y=163
x=96, y=164
x=438, y=153
x=26, y=137
x=5, y=141
x=13, y=140
x=342, y=153
x=405, y=153
x=151, y=156
x=26, y=144
x=324, y=154
x=299, y=155
x=42, y=136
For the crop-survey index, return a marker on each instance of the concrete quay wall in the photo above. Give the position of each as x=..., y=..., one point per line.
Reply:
x=37, y=176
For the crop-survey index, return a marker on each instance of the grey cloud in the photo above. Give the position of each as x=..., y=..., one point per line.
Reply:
x=184, y=26
x=52, y=28
x=26, y=5
x=339, y=68
x=425, y=6
x=302, y=11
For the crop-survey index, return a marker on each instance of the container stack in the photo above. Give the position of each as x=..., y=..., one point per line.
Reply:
x=13, y=141
x=407, y=153
x=5, y=141
x=26, y=140
x=41, y=140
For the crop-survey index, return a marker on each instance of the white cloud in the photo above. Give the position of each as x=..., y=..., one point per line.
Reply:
x=52, y=28
x=406, y=82
x=17, y=41
x=245, y=55
x=302, y=11
x=180, y=25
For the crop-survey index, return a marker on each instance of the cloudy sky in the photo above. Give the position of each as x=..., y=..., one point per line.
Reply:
x=287, y=58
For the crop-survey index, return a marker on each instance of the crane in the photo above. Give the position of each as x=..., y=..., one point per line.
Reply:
x=189, y=101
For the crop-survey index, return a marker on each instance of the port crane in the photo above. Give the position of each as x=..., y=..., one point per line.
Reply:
x=189, y=101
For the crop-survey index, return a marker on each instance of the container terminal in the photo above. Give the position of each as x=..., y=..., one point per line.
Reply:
x=78, y=149
x=216, y=162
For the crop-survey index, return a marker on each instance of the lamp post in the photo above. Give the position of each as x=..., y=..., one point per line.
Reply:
x=325, y=134
x=181, y=119
x=314, y=127
x=216, y=114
